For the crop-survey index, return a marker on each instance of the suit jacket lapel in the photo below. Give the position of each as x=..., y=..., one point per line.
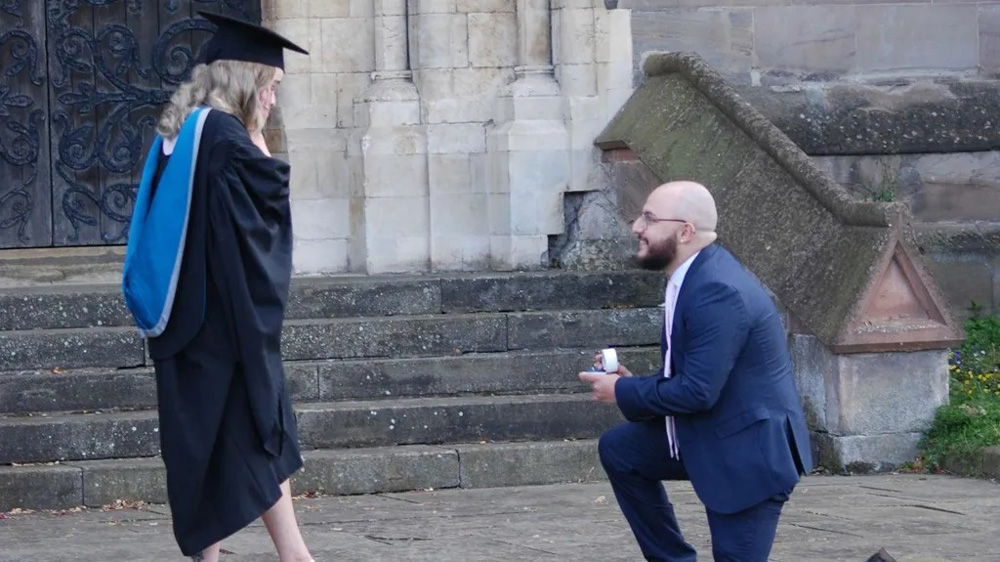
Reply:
x=690, y=281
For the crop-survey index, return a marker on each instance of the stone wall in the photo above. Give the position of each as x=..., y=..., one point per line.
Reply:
x=442, y=134
x=764, y=42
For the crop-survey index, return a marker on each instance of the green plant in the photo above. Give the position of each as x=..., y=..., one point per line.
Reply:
x=883, y=186
x=971, y=420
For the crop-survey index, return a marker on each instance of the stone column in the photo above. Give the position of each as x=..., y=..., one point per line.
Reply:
x=528, y=156
x=390, y=210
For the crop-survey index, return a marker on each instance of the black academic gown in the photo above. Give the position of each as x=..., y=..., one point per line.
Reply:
x=227, y=430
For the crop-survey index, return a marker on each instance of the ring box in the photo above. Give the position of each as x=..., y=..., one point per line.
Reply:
x=609, y=360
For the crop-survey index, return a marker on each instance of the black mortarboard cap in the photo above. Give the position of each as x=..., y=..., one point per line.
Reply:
x=237, y=39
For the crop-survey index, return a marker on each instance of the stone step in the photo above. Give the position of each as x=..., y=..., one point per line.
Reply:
x=333, y=472
x=83, y=306
x=374, y=423
x=354, y=338
x=510, y=372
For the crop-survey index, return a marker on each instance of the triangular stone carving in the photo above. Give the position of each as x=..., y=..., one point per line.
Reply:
x=898, y=311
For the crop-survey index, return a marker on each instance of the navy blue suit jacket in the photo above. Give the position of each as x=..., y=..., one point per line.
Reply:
x=742, y=432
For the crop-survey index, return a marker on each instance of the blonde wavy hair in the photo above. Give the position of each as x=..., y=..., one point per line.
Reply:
x=226, y=85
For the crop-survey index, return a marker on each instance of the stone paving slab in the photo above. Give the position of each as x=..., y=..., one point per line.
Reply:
x=917, y=518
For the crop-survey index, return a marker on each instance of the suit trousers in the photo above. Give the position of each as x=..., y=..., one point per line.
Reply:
x=637, y=459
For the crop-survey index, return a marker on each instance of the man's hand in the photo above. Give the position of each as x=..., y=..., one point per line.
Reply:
x=599, y=366
x=603, y=386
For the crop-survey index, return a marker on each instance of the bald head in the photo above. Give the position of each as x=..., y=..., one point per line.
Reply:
x=685, y=200
x=677, y=221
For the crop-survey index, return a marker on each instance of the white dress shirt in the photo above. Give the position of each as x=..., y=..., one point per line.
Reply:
x=669, y=303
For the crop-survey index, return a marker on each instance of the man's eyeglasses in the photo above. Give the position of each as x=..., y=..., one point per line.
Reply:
x=647, y=219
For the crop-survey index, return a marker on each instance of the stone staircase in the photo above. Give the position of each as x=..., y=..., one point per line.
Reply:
x=399, y=383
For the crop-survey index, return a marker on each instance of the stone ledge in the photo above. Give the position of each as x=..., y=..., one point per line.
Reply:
x=928, y=116
x=335, y=472
x=983, y=463
x=64, y=306
x=860, y=454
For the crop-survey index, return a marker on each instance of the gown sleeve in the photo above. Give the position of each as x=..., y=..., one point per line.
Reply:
x=249, y=257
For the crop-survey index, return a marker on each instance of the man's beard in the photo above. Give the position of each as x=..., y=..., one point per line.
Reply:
x=659, y=255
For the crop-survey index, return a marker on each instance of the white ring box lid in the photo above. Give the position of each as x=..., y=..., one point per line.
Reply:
x=609, y=358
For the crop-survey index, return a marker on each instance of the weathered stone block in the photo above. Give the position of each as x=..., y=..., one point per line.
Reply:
x=24, y=310
x=361, y=8
x=320, y=256
x=390, y=7
x=456, y=138
x=963, y=279
x=373, y=471
x=357, y=297
x=578, y=79
x=331, y=179
x=451, y=174
x=386, y=176
x=46, y=392
x=348, y=45
x=121, y=479
x=989, y=38
x=594, y=329
x=398, y=216
x=40, y=487
x=522, y=136
x=397, y=255
x=613, y=36
x=661, y=5
x=289, y=9
x=519, y=252
x=349, y=87
x=724, y=37
x=543, y=171
x=329, y=8
x=394, y=141
x=531, y=108
x=614, y=75
x=499, y=213
x=492, y=39
x=79, y=437
x=77, y=348
x=918, y=116
x=514, y=372
x=806, y=39
x=925, y=37
x=454, y=420
x=480, y=82
x=573, y=36
x=433, y=83
x=866, y=453
x=299, y=29
x=460, y=252
x=957, y=187
x=459, y=214
x=440, y=41
x=454, y=110
x=319, y=219
x=869, y=394
x=435, y=7
x=393, y=337
x=526, y=464
x=485, y=6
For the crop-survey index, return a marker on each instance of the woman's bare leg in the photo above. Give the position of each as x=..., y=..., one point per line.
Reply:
x=210, y=554
x=284, y=529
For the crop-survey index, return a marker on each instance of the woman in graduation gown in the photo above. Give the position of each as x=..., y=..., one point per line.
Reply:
x=228, y=434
